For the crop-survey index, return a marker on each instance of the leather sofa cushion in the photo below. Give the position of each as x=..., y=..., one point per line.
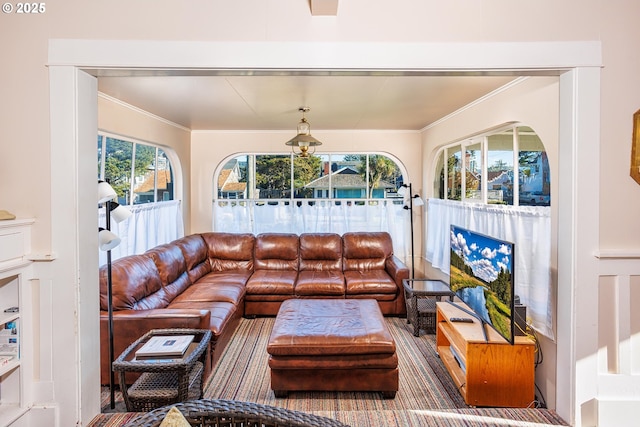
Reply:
x=272, y=282
x=229, y=277
x=330, y=327
x=320, y=283
x=196, y=256
x=320, y=251
x=136, y=283
x=169, y=262
x=221, y=312
x=230, y=251
x=171, y=266
x=203, y=292
x=369, y=282
x=276, y=251
x=366, y=251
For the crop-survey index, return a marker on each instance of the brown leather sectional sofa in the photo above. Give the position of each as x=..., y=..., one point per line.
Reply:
x=210, y=280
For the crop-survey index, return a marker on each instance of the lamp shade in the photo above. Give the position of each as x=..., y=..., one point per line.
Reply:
x=107, y=240
x=402, y=190
x=119, y=213
x=303, y=139
x=417, y=201
x=105, y=192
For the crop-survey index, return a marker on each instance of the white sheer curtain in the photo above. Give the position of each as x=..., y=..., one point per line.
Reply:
x=150, y=225
x=316, y=217
x=528, y=227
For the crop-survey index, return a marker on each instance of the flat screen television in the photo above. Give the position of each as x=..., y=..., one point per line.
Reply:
x=481, y=275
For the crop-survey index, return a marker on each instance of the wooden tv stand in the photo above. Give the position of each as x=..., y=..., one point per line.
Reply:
x=488, y=373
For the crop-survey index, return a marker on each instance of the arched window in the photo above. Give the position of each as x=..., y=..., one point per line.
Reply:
x=508, y=167
x=332, y=192
x=143, y=177
x=139, y=172
x=325, y=176
x=498, y=184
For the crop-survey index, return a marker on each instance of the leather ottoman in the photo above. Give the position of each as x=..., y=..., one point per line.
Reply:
x=332, y=345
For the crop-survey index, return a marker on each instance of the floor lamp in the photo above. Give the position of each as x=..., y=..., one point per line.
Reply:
x=410, y=201
x=107, y=241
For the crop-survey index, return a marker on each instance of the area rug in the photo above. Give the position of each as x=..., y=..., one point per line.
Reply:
x=426, y=397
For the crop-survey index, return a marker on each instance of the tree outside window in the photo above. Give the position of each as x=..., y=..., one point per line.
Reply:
x=139, y=173
x=336, y=176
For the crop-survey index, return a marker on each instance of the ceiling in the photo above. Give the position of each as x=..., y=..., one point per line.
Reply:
x=270, y=101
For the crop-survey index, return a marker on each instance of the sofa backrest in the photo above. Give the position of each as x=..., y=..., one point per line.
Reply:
x=136, y=284
x=320, y=252
x=276, y=251
x=172, y=268
x=230, y=251
x=196, y=256
x=366, y=250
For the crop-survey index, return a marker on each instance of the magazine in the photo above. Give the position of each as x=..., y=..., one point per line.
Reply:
x=165, y=346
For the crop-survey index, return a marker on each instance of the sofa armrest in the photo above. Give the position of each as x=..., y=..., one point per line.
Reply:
x=397, y=270
x=129, y=325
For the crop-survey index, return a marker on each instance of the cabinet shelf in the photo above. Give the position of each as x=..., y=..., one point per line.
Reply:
x=488, y=372
x=8, y=317
x=16, y=374
x=10, y=366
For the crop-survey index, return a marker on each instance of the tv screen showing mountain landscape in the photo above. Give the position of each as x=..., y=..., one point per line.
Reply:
x=481, y=270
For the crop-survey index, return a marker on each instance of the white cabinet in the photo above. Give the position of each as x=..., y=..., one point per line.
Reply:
x=16, y=350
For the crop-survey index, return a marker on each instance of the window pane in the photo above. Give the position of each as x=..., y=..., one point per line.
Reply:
x=348, y=176
x=473, y=174
x=309, y=179
x=438, y=185
x=273, y=176
x=533, y=169
x=454, y=165
x=383, y=176
x=232, y=180
x=117, y=169
x=341, y=176
x=164, y=188
x=144, y=175
x=500, y=168
x=100, y=142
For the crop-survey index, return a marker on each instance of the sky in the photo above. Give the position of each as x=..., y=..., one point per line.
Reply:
x=485, y=255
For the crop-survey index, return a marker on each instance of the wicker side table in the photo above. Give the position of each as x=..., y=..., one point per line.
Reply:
x=233, y=413
x=163, y=381
x=421, y=296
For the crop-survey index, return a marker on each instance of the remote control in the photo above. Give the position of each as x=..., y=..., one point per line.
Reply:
x=461, y=319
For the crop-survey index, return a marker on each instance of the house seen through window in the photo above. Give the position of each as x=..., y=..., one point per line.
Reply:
x=357, y=177
x=140, y=173
x=143, y=177
x=508, y=167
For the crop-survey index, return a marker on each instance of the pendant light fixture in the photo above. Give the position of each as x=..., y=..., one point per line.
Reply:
x=305, y=143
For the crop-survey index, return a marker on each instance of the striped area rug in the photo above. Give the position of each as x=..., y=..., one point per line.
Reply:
x=427, y=396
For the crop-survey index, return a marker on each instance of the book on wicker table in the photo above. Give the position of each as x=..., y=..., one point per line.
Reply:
x=164, y=346
x=163, y=380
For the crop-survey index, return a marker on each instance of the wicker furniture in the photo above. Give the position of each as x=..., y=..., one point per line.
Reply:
x=231, y=413
x=163, y=381
x=421, y=296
